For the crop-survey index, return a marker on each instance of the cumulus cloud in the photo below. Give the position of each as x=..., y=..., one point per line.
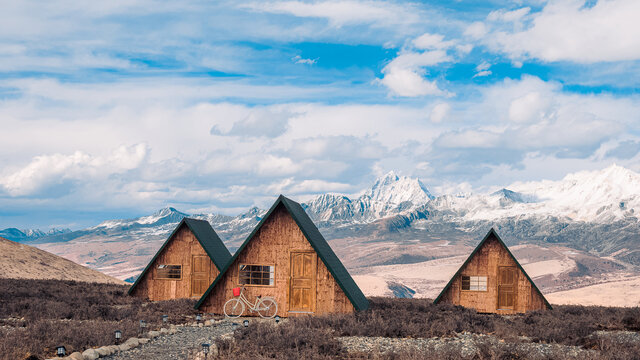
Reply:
x=47, y=170
x=569, y=31
x=405, y=74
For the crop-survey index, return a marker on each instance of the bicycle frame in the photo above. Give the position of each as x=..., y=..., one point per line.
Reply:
x=253, y=307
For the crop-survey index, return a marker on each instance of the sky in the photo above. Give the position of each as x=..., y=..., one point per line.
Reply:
x=113, y=109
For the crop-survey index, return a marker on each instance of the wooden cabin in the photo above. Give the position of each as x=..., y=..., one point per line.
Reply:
x=286, y=257
x=492, y=281
x=185, y=265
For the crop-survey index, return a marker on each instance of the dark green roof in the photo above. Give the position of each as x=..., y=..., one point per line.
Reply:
x=319, y=244
x=211, y=243
x=491, y=232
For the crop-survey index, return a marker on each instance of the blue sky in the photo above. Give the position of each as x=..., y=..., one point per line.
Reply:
x=115, y=109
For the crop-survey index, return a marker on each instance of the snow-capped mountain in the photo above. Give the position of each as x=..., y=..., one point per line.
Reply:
x=596, y=211
x=389, y=195
x=589, y=196
x=30, y=234
x=164, y=216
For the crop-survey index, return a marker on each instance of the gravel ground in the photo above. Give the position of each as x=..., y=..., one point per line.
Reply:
x=181, y=345
x=463, y=346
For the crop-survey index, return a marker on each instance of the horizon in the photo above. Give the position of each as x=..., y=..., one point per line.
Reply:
x=116, y=110
x=471, y=192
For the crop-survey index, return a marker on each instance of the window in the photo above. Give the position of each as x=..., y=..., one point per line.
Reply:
x=256, y=275
x=170, y=272
x=474, y=283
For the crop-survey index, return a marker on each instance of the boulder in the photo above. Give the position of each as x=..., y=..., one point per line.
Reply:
x=164, y=331
x=173, y=331
x=124, y=347
x=90, y=354
x=114, y=348
x=104, y=351
x=143, y=341
x=153, y=334
x=209, y=322
x=132, y=342
x=76, y=356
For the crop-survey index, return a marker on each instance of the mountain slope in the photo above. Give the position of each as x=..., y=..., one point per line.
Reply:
x=19, y=261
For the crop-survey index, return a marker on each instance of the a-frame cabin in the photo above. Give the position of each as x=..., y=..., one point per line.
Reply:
x=286, y=257
x=491, y=280
x=185, y=265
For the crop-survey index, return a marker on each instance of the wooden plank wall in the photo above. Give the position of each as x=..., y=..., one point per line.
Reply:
x=178, y=251
x=272, y=245
x=485, y=263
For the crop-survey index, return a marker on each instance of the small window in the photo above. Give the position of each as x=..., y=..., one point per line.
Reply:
x=256, y=274
x=171, y=272
x=474, y=283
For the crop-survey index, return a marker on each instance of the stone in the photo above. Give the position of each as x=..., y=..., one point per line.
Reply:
x=104, y=351
x=173, y=331
x=114, y=348
x=164, y=330
x=200, y=325
x=209, y=322
x=124, y=347
x=76, y=356
x=132, y=342
x=143, y=340
x=153, y=334
x=90, y=354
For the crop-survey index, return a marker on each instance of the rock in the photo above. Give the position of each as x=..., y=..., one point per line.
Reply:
x=90, y=354
x=76, y=356
x=209, y=322
x=200, y=325
x=173, y=331
x=124, y=347
x=132, y=342
x=153, y=334
x=164, y=330
x=113, y=348
x=104, y=351
x=143, y=341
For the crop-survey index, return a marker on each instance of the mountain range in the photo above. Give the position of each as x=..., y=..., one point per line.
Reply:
x=397, y=220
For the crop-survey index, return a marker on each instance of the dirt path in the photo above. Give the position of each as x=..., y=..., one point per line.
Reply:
x=187, y=341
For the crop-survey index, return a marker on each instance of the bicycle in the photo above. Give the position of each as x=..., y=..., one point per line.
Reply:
x=266, y=307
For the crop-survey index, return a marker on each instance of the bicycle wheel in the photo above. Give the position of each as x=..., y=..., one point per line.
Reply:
x=267, y=308
x=233, y=308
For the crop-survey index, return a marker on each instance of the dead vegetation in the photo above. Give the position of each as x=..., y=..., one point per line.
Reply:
x=38, y=315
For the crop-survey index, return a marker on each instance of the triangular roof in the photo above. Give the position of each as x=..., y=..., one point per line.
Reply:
x=319, y=244
x=210, y=241
x=489, y=234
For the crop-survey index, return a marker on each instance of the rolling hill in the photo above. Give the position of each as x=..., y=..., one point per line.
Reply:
x=20, y=261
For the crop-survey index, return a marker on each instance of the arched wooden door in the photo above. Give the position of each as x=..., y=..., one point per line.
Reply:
x=507, y=287
x=302, y=293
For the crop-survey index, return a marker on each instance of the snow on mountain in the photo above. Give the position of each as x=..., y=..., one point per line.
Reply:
x=389, y=195
x=17, y=235
x=609, y=194
x=163, y=216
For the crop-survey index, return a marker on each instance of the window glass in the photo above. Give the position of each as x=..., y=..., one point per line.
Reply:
x=169, y=272
x=256, y=275
x=474, y=283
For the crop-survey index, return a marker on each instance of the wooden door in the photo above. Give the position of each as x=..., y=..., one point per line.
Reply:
x=199, y=274
x=507, y=287
x=302, y=294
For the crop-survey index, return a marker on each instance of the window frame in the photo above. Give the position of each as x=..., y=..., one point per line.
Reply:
x=253, y=264
x=486, y=289
x=156, y=277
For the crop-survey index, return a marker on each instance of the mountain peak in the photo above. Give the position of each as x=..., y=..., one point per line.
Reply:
x=166, y=211
x=396, y=189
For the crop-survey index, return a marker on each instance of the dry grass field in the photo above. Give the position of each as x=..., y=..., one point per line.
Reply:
x=37, y=315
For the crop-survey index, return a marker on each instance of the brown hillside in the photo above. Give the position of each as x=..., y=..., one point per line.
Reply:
x=19, y=261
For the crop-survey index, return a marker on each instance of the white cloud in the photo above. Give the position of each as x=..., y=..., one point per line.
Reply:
x=299, y=60
x=567, y=30
x=530, y=107
x=432, y=41
x=47, y=170
x=404, y=75
x=340, y=13
x=508, y=16
x=440, y=112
